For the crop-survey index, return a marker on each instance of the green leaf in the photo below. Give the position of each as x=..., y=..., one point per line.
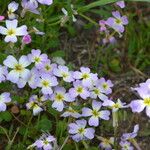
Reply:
x=58, y=53
x=6, y=116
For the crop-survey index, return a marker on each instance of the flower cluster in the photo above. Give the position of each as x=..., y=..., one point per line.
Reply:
x=117, y=23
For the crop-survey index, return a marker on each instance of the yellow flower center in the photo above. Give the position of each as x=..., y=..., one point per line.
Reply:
x=79, y=89
x=10, y=11
x=118, y=21
x=85, y=76
x=147, y=101
x=105, y=85
x=45, y=83
x=95, y=113
x=46, y=142
x=11, y=32
x=81, y=130
x=64, y=75
x=47, y=67
x=37, y=59
x=96, y=91
x=116, y=105
x=59, y=97
x=18, y=68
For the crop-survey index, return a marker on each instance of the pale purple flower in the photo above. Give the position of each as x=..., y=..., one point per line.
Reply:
x=115, y=106
x=95, y=113
x=125, y=145
x=105, y=85
x=102, y=25
x=37, y=31
x=79, y=131
x=45, y=2
x=26, y=39
x=117, y=22
x=63, y=71
x=108, y=38
x=70, y=112
x=34, y=79
x=12, y=31
x=46, y=83
x=37, y=57
x=3, y=73
x=121, y=4
x=59, y=61
x=35, y=104
x=4, y=98
x=12, y=7
x=18, y=68
x=139, y=104
x=132, y=135
x=106, y=143
x=59, y=97
x=45, y=142
x=29, y=5
x=79, y=90
x=86, y=76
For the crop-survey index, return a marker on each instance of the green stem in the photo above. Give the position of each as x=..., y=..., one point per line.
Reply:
x=65, y=141
x=85, y=145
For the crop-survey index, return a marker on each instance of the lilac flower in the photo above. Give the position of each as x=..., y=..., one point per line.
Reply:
x=35, y=104
x=29, y=5
x=59, y=97
x=63, y=71
x=87, y=77
x=59, y=61
x=34, y=79
x=18, y=68
x=125, y=145
x=26, y=39
x=46, y=83
x=132, y=135
x=98, y=91
x=121, y=4
x=95, y=113
x=144, y=102
x=106, y=143
x=2, y=18
x=45, y=2
x=71, y=112
x=105, y=86
x=37, y=57
x=12, y=7
x=45, y=142
x=79, y=89
x=102, y=25
x=12, y=31
x=79, y=131
x=3, y=73
x=4, y=98
x=114, y=106
x=109, y=38
x=117, y=22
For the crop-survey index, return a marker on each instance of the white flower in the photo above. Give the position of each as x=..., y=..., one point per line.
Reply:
x=12, y=7
x=11, y=31
x=18, y=68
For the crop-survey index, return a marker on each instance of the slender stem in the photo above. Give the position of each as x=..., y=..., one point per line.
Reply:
x=5, y=133
x=85, y=145
x=65, y=141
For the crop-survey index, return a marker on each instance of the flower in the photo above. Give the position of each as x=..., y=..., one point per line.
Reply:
x=79, y=89
x=139, y=105
x=26, y=39
x=129, y=136
x=2, y=18
x=106, y=143
x=12, y=7
x=114, y=106
x=59, y=61
x=102, y=25
x=125, y=145
x=12, y=31
x=87, y=77
x=4, y=98
x=45, y=2
x=117, y=22
x=79, y=131
x=46, y=83
x=37, y=57
x=71, y=112
x=45, y=142
x=95, y=113
x=3, y=73
x=29, y=5
x=121, y=4
x=37, y=31
x=59, y=97
x=18, y=68
x=63, y=71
